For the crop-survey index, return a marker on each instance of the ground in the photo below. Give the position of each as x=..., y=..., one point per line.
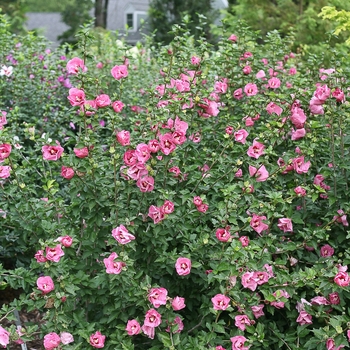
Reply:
x=27, y=318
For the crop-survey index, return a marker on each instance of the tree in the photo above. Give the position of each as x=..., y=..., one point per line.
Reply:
x=101, y=13
x=75, y=14
x=164, y=14
x=299, y=16
x=15, y=10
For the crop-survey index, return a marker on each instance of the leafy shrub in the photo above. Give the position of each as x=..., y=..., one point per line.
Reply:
x=217, y=176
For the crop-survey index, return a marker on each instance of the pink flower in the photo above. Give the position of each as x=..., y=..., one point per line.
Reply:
x=219, y=347
x=75, y=65
x=256, y=150
x=261, y=277
x=229, y=130
x=279, y=304
x=5, y=150
x=81, y=152
x=5, y=171
x=250, y=89
x=247, y=70
x=238, y=94
x=273, y=108
x=334, y=298
x=319, y=301
x=298, y=134
x=152, y=318
x=167, y=207
x=183, y=266
x=239, y=173
x=233, y=38
x=241, y=321
x=113, y=267
x=338, y=94
x=260, y=74
x=249, y=121
x=300, y=191
x=304, y=318
x=241, y=136
x=76, y=97
x=51, y=341
x=274, y=83
x=330, y=344
x=167, y=143
x=157, y=296
x=257, y=225
x=179, y=326
x=209, y=108
x=244, y=241
x=137, y=171
x=261, y=174
x=54, y=254
x=52, y=152
x=285, y=225
x=220, y=87
x=258, y=310
x=118, y=106
x=342, y=279
x=322, y=93
x=149, y=331
x=178, y=303
x=222, y=234
x=142, y=152
x=316, y=109
x=298, y=117
x=318, y=179
x=45, y=284
x=326, y=251
x=300, y=166
x=195, y=60
x=67, y=172
x=122, y=235
x=4, y=337
x=175, y=170
x=197, y=201
x=97, y=340
x=133, y=327
x=39, y=256
x=145, y=183
x=123, y=137
x=102, y=100
x=119, y=72
x=220, y=302
x=238, y=343
x=203, y=208
x=3, y=120
x=248, y=281
x=153, y=146
x=156, y=214
x=341, y=218
x=66, y=338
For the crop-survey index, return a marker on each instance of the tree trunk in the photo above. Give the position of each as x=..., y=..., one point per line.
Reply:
x=101, y=13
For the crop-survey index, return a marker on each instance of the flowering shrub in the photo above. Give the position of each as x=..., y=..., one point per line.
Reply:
x=193, y=199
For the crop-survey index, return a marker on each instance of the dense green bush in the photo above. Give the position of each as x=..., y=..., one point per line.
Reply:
x=217, y=176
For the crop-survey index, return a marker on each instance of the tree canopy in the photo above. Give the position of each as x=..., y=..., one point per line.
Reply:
x=163, y=14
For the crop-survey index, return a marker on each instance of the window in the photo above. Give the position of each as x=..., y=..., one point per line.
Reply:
x=134, y=20
x=130, y=20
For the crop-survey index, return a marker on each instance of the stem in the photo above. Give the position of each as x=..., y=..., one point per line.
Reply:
x=280, y=339
x=9, y=312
